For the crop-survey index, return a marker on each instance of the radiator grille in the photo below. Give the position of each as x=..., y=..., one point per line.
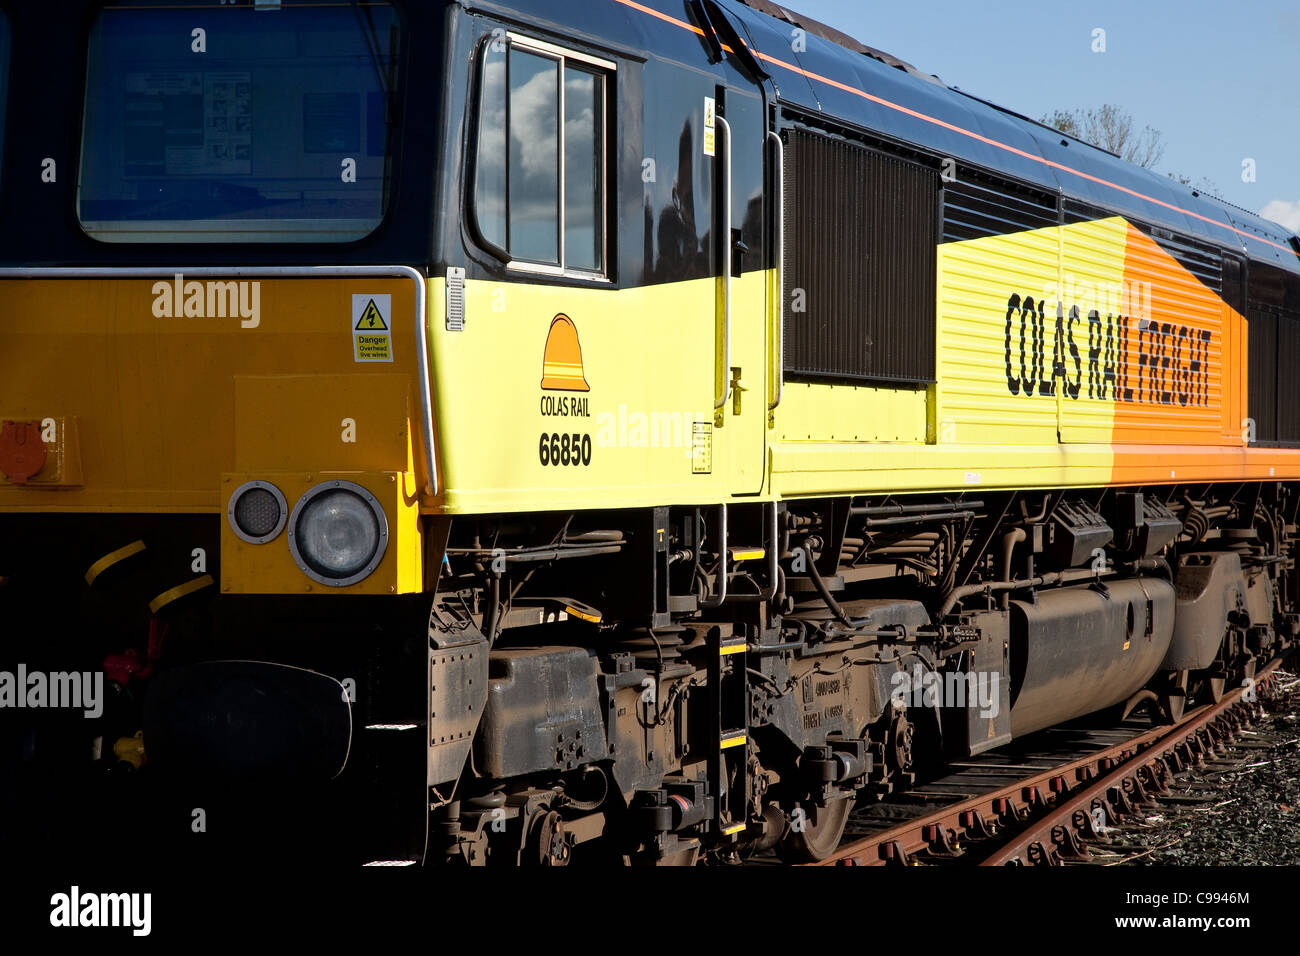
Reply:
x=1273, y=333
x=1261, y=397
x=861, y=230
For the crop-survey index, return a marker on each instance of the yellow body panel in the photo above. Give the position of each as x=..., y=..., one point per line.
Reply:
x=651, y=363
x=976, y=278
x=851, y=413
x=891, y=469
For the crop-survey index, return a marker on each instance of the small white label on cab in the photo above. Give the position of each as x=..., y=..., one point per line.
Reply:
x=709, y=124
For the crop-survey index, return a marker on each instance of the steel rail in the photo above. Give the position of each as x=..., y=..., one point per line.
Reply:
x=1062, y=790
x=1040, y=842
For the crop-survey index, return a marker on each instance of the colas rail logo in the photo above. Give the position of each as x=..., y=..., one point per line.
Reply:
x=562, y=358
x=562, y=371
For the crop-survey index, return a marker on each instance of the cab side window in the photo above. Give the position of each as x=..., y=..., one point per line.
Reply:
x=539, y=183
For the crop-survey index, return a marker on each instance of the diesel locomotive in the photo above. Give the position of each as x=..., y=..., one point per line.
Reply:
x=625, y=432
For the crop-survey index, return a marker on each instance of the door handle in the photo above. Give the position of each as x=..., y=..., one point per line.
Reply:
x=737, y=389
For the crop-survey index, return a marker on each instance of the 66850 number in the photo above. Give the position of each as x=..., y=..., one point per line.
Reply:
x=557, y=449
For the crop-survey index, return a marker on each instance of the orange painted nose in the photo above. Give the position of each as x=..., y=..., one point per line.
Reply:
x=562, y=360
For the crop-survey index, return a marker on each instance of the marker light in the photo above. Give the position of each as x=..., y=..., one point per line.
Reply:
x=257, y=512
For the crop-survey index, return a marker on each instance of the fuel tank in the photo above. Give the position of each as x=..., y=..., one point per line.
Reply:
x=1081, y=649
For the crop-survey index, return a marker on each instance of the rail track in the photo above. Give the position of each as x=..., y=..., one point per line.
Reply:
x=1043, y=806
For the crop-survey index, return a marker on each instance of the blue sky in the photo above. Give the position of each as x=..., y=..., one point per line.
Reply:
x=1219, y=80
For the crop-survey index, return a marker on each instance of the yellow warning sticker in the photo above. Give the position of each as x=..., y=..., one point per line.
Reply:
x=373, y=348
x=371, y=318
x=372, y=333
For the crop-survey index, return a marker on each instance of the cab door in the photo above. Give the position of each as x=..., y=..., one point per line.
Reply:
x=742, y=308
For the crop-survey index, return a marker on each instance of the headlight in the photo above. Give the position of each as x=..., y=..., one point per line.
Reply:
x=338, y=533
x=257, y=512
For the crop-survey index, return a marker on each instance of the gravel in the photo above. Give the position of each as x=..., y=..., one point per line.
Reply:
x=1250, y=814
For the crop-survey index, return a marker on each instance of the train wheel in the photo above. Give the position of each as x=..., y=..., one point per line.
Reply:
x=549, y=844
x=1214, y=688
x=1173, y=698
x=816, y=837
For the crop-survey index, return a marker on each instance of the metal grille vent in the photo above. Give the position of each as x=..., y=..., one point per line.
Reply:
x=861, y=234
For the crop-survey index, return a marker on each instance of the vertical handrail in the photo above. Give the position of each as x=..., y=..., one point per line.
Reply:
x=778, y=318
x=720, y=592
x=720, y=403
x=774, y=554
